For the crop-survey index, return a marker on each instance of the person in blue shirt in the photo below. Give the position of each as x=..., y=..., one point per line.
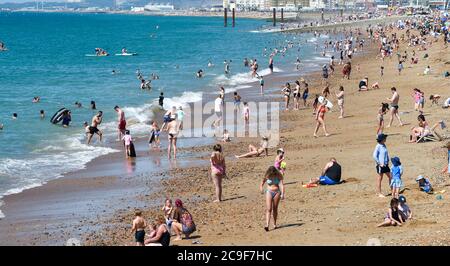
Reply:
x=381, y=157
x=396, y=173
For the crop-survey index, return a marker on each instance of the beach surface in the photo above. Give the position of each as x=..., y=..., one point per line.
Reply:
x=345, y=214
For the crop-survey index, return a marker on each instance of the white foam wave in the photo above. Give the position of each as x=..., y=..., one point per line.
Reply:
x=183, y=100
x=65, y=155
x=243, y=78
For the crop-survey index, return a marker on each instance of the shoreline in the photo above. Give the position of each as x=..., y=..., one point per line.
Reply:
x=319, y=216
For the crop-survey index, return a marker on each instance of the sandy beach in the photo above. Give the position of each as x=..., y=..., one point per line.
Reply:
x=345, y=214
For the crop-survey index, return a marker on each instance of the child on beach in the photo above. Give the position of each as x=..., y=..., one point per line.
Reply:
x=400, y=67
x=226, y=136
x=305, y=92
x=246, y=113
x=381, y=71
x=138, y=228
x=152, y=229
x=261, y=84
x=404, y=208
x=396, y=174
x=127, y=141
x=153, y=140
x=424, y=184
x=393, y=217
x=381, y=112
x=168, y=210
x=279, y=159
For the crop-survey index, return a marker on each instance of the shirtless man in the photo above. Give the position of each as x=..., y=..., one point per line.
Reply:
x=138, y=228
x=96, y=120
x=122, y=122
x=394, y=107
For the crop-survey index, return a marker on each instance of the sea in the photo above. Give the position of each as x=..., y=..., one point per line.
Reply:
x=46, y=57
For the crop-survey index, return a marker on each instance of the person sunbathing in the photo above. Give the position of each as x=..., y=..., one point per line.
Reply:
x=363, y=84
x=421, y=130
x=256, y=152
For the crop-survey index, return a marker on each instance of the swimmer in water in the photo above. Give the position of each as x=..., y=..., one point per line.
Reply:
x=210, y=64
x=1, y=126
x=36, y=99
x=42, y=114
x=78, y=104
x=200, y=73
x=14, y=116
x=124, y=50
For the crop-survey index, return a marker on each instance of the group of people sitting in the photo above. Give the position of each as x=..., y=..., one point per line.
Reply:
x=176, y=219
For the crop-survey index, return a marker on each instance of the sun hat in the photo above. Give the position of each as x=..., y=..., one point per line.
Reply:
x=280, y=150
x=396, y=161
x=381, y=137
x=419, y=177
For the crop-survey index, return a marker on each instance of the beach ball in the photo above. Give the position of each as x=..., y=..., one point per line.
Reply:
x=283, y=165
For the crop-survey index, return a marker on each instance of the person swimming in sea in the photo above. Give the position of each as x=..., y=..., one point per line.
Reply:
x=42, y=114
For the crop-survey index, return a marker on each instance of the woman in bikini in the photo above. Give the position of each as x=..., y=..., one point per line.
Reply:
x=287, y=94
x=218, y=170
x=273, y=194
x=297, y=95
x=320, y=118
x=256, y=152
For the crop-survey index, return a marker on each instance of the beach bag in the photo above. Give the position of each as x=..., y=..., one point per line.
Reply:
x=186, y=219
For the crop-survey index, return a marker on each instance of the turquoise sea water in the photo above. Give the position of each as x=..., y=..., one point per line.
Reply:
x=46, y=58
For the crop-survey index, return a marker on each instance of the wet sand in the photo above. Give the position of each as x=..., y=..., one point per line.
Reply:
x=344, y=214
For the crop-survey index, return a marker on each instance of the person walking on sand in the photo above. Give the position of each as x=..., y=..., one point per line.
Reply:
x=394, y=107
x=340, y=99
x=122, y=122
x=138, y=228
x=273, y=194
x=320, y=118
x=218, y=170
x=297, y=95
x=381, y=157
x=218, y=104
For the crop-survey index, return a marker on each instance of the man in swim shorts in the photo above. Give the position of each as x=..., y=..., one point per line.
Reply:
x=394, y=106
x=93, y=129
x=122, y=122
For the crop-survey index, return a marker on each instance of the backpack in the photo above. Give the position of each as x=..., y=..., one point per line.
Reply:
x=186, y=219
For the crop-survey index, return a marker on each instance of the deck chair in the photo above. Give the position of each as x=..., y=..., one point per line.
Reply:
x=431, y=136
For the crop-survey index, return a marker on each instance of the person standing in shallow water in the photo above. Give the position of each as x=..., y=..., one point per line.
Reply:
x=218, y=170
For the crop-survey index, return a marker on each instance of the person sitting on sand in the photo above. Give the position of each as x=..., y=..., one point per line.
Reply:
x=421, y=130
x=226, y=136
x=273, y=194
x=393, y=217
x=218, y=170
x=424, y=184
x=183, y=222
x=331, y=174
x=138, y=228
x=256, y=152
x=404, y=208
x=162, y=235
